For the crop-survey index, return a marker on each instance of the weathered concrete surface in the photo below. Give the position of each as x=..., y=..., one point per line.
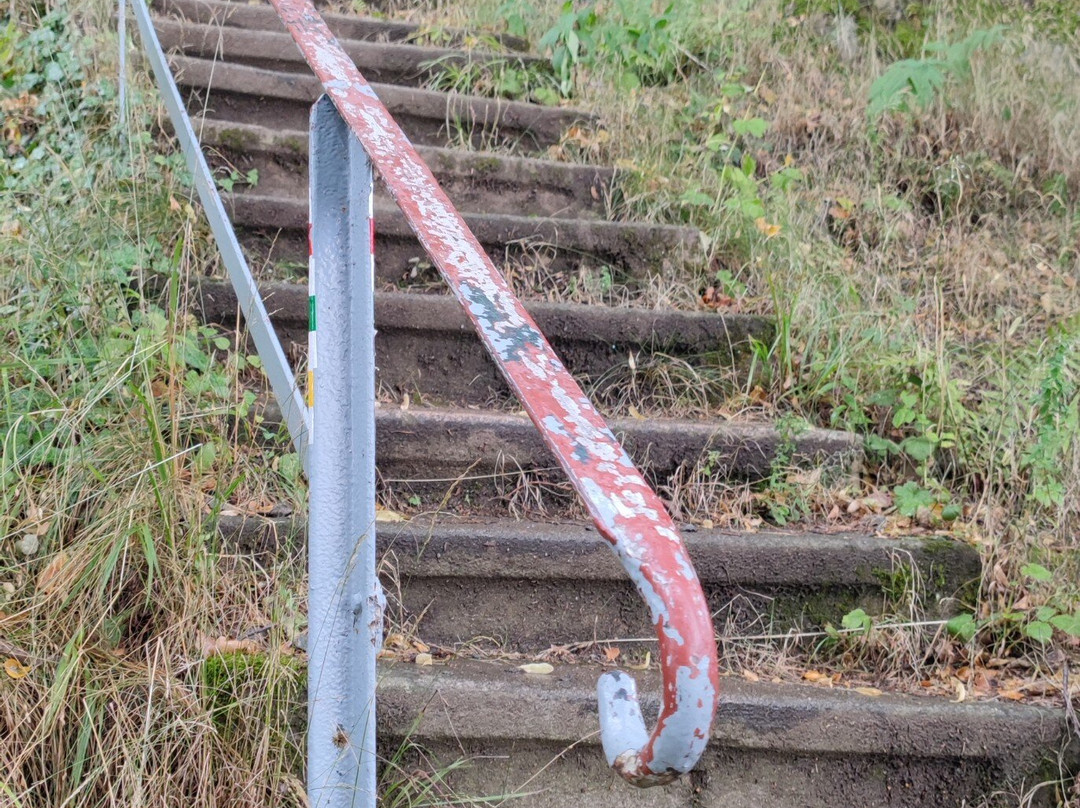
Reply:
x=450, y=457
x=425, y=344
x=474, y=181
x=385, y=62
x=274, y=98
x=476, y=456
x=419, y=444
x=633, y=250
x=532, y=585
x=344, y=26
x=771, y=744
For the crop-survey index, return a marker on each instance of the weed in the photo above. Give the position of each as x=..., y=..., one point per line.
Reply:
x=921, y=81
x=784, y=496
x=504, y=77
x=229, y=179
x=569, y=42
x=412, y=777
x=1056, y=422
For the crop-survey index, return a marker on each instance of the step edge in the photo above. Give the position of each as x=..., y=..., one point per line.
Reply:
x=517, y=550
x=781, y=718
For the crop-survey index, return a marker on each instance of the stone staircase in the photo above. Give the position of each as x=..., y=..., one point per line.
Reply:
x=508, y=557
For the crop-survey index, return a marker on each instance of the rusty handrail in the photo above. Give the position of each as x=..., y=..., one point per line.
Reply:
x=625, y=509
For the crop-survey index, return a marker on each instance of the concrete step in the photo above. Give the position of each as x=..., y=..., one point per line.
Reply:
x=283, y=100
x=530, y=585
x=534, y=248
x=262, y=17
x=425, y=346
x=474, y=181
x=772, y=745
x=482, y=461
x=423, y=443
x=385, y=62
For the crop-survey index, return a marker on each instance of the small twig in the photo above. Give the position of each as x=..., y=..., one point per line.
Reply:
x=1070, y=711
x=22, y=655
x=793, y=635
x=536, y=774
x=255, y=632
x=463, y=478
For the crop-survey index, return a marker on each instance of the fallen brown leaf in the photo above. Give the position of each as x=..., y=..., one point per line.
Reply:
x=213, y=646
x=15, y=669
x=46, y=581
x=537, y=668
x=644, y=665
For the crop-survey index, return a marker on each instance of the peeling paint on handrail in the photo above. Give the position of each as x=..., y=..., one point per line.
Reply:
x=625, y=509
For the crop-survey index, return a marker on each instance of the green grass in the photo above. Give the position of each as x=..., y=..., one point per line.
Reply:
x=117, y=433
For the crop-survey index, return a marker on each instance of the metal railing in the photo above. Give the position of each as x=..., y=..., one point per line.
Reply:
x=344, y=608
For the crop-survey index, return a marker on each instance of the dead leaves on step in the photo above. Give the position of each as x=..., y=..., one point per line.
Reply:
x=579, y=141
x=398, y=647
x=989, y=679
x=386, y=515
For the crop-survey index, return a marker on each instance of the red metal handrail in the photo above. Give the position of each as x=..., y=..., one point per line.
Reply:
x=625, y=509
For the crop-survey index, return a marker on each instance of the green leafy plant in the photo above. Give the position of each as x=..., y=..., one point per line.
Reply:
x=1036, y=624
x=916, y=83
x=569, y=42
x=1056, y=423
x=495, y=78
x=784, y=496
x=230, y=178
x=643, y=43
x=513, y=15
x=910, y=497
x=857, y=621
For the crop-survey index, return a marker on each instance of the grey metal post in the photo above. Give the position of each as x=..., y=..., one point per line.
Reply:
x=345, y=603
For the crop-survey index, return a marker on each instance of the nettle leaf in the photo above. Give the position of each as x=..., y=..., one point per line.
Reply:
x=880, y=445
x=695, y=197
x=1037, y=572
x=952, y=512
x=909, y=497
x=1039, y=631
x=919, y=448
x=755, y=127
x=963, y=626
x=857, y=620
x=1045, y=613
x=1069, y=623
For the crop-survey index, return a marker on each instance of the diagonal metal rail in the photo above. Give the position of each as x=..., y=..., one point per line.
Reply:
x=625, y=509
x=276, y=365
